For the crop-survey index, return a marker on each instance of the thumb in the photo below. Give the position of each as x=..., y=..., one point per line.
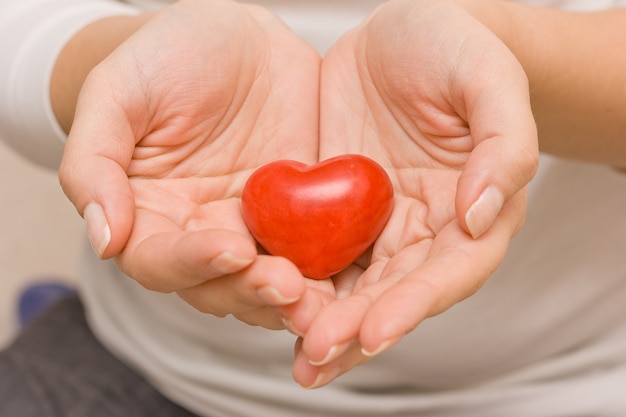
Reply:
x=93, y=176
x=100, y=191
x=504, y=159
x=491, y=177
x=102, y=195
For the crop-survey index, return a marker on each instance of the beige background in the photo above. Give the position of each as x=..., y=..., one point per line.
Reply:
x=40, y=232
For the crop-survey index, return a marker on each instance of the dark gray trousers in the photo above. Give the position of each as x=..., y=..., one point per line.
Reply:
x=57, y=368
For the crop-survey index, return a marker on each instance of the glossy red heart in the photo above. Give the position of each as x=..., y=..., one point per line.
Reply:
x=322, y=217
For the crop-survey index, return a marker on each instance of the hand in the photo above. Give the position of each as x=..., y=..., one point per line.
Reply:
x=426, y=90
x=167, y=130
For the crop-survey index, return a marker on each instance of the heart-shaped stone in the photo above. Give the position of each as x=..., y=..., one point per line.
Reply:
x=322, y=217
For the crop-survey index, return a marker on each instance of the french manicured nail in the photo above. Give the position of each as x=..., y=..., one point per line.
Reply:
x=333, y=353
x=228, y=263
x=271, y=296
x=484, y=211
x=380, y=349
x=324, y=378
x=98, y=230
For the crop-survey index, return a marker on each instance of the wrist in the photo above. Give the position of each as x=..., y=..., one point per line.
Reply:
x=81, y=54
x=518, y=26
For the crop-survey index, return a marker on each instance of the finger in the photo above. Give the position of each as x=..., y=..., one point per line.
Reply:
x=170, y=261
x=93, y=173
x=320, y=293
x=505, y=156
x=338, y=323
x=297, y=317
x=457, y=266
x=311, y=376
x=292, y=316
x=101, y=193
x=266, y=317
x=268, y=281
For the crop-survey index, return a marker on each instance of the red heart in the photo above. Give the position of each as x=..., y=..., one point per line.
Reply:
x=322, y=217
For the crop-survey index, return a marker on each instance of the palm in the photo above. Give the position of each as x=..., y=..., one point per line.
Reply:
x=407, y=134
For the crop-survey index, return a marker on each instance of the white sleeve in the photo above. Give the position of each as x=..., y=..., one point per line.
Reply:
x=32, y=33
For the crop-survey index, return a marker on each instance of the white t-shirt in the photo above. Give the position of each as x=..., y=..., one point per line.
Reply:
x=546, y=336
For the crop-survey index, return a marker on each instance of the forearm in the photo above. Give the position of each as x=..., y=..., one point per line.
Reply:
x=82, y=53
x=576, y=67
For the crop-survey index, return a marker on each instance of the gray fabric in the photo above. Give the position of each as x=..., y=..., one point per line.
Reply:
x=56, y=368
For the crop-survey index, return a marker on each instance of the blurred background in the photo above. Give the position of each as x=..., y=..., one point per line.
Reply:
x=40, y=233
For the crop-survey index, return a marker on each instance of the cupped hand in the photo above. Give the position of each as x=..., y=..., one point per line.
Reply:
x=431, y=94
x=166, y=132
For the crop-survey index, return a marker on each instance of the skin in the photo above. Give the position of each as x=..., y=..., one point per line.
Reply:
x=445, y=129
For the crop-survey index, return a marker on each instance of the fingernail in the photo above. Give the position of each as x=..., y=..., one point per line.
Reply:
x=228, y=263
x=333, y=353
x=98, y=230
x=484, y=211
x=380, y=349
x=324, y=378
x=270, y=295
